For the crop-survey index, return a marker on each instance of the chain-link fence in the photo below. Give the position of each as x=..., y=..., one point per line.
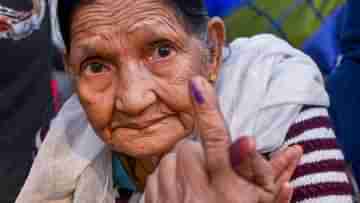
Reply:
x=301, y=22
x=295, y=20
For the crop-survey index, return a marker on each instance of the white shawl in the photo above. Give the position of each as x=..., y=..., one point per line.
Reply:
x=262, y=87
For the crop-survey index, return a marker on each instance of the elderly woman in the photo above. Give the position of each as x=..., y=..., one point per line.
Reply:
x=152, y=78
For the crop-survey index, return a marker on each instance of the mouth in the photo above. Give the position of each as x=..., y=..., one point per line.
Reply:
x=141, y=124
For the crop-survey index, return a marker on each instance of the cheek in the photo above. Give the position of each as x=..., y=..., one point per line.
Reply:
x=97, y=102
x=175, y=90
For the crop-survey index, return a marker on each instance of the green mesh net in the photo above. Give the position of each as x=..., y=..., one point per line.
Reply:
x=294, y=20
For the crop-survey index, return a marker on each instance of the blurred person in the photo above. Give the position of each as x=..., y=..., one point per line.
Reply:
x=343, y=86
x=324, y=45
x=25, y=88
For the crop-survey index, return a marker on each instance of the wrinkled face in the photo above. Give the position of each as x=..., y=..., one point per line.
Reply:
x=133, y=61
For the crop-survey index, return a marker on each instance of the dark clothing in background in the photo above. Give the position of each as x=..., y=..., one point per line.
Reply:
x=324, y=45
x=344, y=88
x=25, y=98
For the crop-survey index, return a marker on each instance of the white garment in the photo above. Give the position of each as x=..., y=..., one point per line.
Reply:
x=262, y=87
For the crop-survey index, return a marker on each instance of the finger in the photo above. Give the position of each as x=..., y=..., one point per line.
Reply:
x=288, y=173
x=285, y=161
x=191, y=168
x=263, y=172
x=167, y=178
x=240, y=152
x=285, y=194
x=250, y=164
x=211, y=127
x=152, y=188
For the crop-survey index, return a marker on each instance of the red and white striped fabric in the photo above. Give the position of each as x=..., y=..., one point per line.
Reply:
x=320, y=177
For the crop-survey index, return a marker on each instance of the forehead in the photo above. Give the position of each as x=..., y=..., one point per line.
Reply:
x=124, y=16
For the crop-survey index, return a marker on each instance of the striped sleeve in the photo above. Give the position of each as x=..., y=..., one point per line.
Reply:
x=320, y=176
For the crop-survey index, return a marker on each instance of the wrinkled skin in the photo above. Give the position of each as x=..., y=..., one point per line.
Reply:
x=133, y=63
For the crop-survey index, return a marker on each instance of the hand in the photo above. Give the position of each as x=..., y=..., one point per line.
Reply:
x=250, y=165
x=205, y=173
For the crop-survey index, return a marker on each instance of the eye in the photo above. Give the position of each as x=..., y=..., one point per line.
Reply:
x=162, y=50
x=95, y=68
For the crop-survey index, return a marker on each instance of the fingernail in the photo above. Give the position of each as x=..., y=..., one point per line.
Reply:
x=196, y=93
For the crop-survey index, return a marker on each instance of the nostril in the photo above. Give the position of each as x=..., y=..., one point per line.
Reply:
x=134, y=104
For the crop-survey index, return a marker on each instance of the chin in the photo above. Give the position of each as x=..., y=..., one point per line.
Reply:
x=151, y=142
x=147, y=148
x=148, y=152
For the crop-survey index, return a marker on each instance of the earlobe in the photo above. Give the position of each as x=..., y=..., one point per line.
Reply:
x=216, y=41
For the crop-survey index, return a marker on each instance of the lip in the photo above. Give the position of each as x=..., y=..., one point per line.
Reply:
x=139, y=125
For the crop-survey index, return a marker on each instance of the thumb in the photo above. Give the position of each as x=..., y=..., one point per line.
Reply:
x=211, y=126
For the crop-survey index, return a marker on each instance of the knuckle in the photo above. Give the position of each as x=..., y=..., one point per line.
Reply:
x=216, y=136
x=210, y=113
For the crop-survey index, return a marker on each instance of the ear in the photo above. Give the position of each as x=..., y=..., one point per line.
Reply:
x=216, y=40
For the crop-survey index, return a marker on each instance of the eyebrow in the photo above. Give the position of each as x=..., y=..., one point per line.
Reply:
x=148, y=28
x=91, y=46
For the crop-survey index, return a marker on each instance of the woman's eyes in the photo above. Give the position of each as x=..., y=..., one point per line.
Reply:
x=158, y=51
x=162, y=51
x=94, y=68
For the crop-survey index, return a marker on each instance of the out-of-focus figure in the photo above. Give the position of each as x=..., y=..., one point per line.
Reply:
x=343, y=86
x=25, y=88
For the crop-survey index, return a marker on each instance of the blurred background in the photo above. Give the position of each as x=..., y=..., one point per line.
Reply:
x=307, y=24
x=296, y=20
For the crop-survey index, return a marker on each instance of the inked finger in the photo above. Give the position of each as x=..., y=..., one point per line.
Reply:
x=211, y=126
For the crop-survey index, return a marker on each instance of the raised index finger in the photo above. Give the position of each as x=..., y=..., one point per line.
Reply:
x=211, y=126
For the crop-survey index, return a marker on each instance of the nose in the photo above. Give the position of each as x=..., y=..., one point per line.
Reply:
x=134, y=93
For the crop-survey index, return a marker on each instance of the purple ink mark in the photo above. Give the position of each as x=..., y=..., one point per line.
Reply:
x=197, y=94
